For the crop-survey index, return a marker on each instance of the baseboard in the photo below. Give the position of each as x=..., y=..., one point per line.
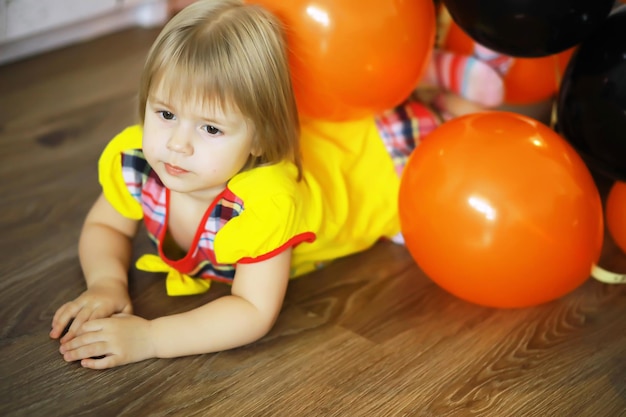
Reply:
x=144, y=15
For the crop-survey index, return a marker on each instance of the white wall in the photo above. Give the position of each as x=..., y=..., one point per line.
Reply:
x=28, y=27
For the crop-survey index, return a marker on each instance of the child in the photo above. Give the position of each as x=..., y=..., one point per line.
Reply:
x=215, y=172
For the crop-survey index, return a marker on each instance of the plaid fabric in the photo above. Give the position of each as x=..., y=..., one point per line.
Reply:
x=146, y=187
x=402, y=129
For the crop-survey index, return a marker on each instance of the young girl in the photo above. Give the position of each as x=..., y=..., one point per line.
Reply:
x=216, y=174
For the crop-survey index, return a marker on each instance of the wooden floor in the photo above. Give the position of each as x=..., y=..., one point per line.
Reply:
x=370, y=335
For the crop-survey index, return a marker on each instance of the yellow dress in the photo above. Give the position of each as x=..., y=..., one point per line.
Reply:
x=346, y=201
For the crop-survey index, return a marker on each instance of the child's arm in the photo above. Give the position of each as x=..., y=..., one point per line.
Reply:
x=104, y=251
x=231, y=321
x=244, y=316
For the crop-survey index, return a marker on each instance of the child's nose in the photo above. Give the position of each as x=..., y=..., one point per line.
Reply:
x=179, y=142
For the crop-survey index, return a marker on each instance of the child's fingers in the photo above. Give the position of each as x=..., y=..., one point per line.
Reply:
x=90, y=346
x=100, y=362
x=90, y=326
x=85, y=314
x=63, y=319
x=83, y=350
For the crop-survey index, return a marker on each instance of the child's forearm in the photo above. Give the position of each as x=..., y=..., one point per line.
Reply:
x=104, y=255
x=225, y=323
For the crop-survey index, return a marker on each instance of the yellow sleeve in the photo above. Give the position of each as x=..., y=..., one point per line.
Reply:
x=272, y=219
x=110, y=173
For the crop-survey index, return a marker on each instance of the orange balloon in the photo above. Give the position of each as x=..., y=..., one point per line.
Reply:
x=499, y=210
x=531, y=80
x=616, y=214
x=353, y=58
x=528, y=80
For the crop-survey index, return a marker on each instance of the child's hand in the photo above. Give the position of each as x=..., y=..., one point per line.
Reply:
x=115, y=341
x=99, y=301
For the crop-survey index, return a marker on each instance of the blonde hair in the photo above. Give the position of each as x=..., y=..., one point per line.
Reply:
x=225, y=52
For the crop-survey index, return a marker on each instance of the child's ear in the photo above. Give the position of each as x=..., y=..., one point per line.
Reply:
x=256, y=149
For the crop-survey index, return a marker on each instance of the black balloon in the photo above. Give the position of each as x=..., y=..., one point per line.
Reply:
x=528, y=28
x=592, y=99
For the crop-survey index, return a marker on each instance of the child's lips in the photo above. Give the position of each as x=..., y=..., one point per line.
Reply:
x=175, y=170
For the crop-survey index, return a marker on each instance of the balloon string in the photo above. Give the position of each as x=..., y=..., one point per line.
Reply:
x=557, y=79
x=444, y=21
x=607, y=277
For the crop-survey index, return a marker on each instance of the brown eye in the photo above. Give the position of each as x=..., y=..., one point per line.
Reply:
x=167, y=115
x=212, y=130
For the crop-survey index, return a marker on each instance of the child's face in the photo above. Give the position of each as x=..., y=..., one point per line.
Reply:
x=195, y=148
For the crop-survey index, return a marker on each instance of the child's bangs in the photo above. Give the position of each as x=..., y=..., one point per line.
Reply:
x=188, y=82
